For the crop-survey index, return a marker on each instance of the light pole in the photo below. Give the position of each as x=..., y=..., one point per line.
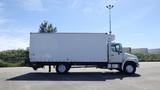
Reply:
x=110, y=7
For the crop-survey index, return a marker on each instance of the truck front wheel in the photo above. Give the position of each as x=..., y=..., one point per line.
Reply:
x=62, y=68
x=129, y=68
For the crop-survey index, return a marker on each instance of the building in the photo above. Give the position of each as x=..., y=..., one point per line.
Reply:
x=139, y=50
x=154, y=51
x=127, y=49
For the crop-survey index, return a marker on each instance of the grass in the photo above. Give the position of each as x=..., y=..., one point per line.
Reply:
x=11, y=64
x=148, y=57
x=7, y=62
x=149, y=61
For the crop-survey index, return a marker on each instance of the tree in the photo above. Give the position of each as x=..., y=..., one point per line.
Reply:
x=47, y=28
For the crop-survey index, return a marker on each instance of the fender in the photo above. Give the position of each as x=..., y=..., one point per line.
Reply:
x=129, y=60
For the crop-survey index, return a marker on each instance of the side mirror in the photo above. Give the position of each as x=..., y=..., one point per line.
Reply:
x=119, y=51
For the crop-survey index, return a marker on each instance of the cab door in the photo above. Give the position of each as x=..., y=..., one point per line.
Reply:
x=116, y=54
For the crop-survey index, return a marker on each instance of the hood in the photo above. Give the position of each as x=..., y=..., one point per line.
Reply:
x=130, y=56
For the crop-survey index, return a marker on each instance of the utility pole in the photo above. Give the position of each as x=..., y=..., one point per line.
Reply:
x=110, y=7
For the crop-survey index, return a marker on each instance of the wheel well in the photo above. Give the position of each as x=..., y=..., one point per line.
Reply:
x=68, y=64
x=130, y=62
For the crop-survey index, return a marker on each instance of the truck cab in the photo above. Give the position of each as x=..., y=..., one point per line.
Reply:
x=116, y=53
x=119, y=59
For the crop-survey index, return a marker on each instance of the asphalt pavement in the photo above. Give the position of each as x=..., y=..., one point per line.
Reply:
x=147, y=77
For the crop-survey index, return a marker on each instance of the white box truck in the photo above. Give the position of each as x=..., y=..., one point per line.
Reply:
x=65, y=50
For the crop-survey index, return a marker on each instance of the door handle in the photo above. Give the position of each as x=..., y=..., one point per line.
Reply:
x=112, y=54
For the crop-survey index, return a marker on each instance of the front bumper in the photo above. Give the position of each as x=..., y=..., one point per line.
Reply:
x=137, y=64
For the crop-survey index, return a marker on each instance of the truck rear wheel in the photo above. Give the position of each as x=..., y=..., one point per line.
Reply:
x=62, y=68
x=34, y=66
x=129, y=68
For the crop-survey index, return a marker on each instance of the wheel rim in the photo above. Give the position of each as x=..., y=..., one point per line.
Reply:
x=61, y=68
x=129, y=68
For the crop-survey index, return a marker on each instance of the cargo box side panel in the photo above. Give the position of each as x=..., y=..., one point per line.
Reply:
x=68, y=48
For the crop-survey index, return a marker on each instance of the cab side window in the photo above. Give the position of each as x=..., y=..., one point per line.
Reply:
x=113, y=48
x=116, y=48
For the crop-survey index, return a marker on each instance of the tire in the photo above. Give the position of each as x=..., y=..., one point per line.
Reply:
x=129, y=68
x=35, y=66
x=62, y=68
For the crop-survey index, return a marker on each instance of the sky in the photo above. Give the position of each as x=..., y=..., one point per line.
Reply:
x=135, y=23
